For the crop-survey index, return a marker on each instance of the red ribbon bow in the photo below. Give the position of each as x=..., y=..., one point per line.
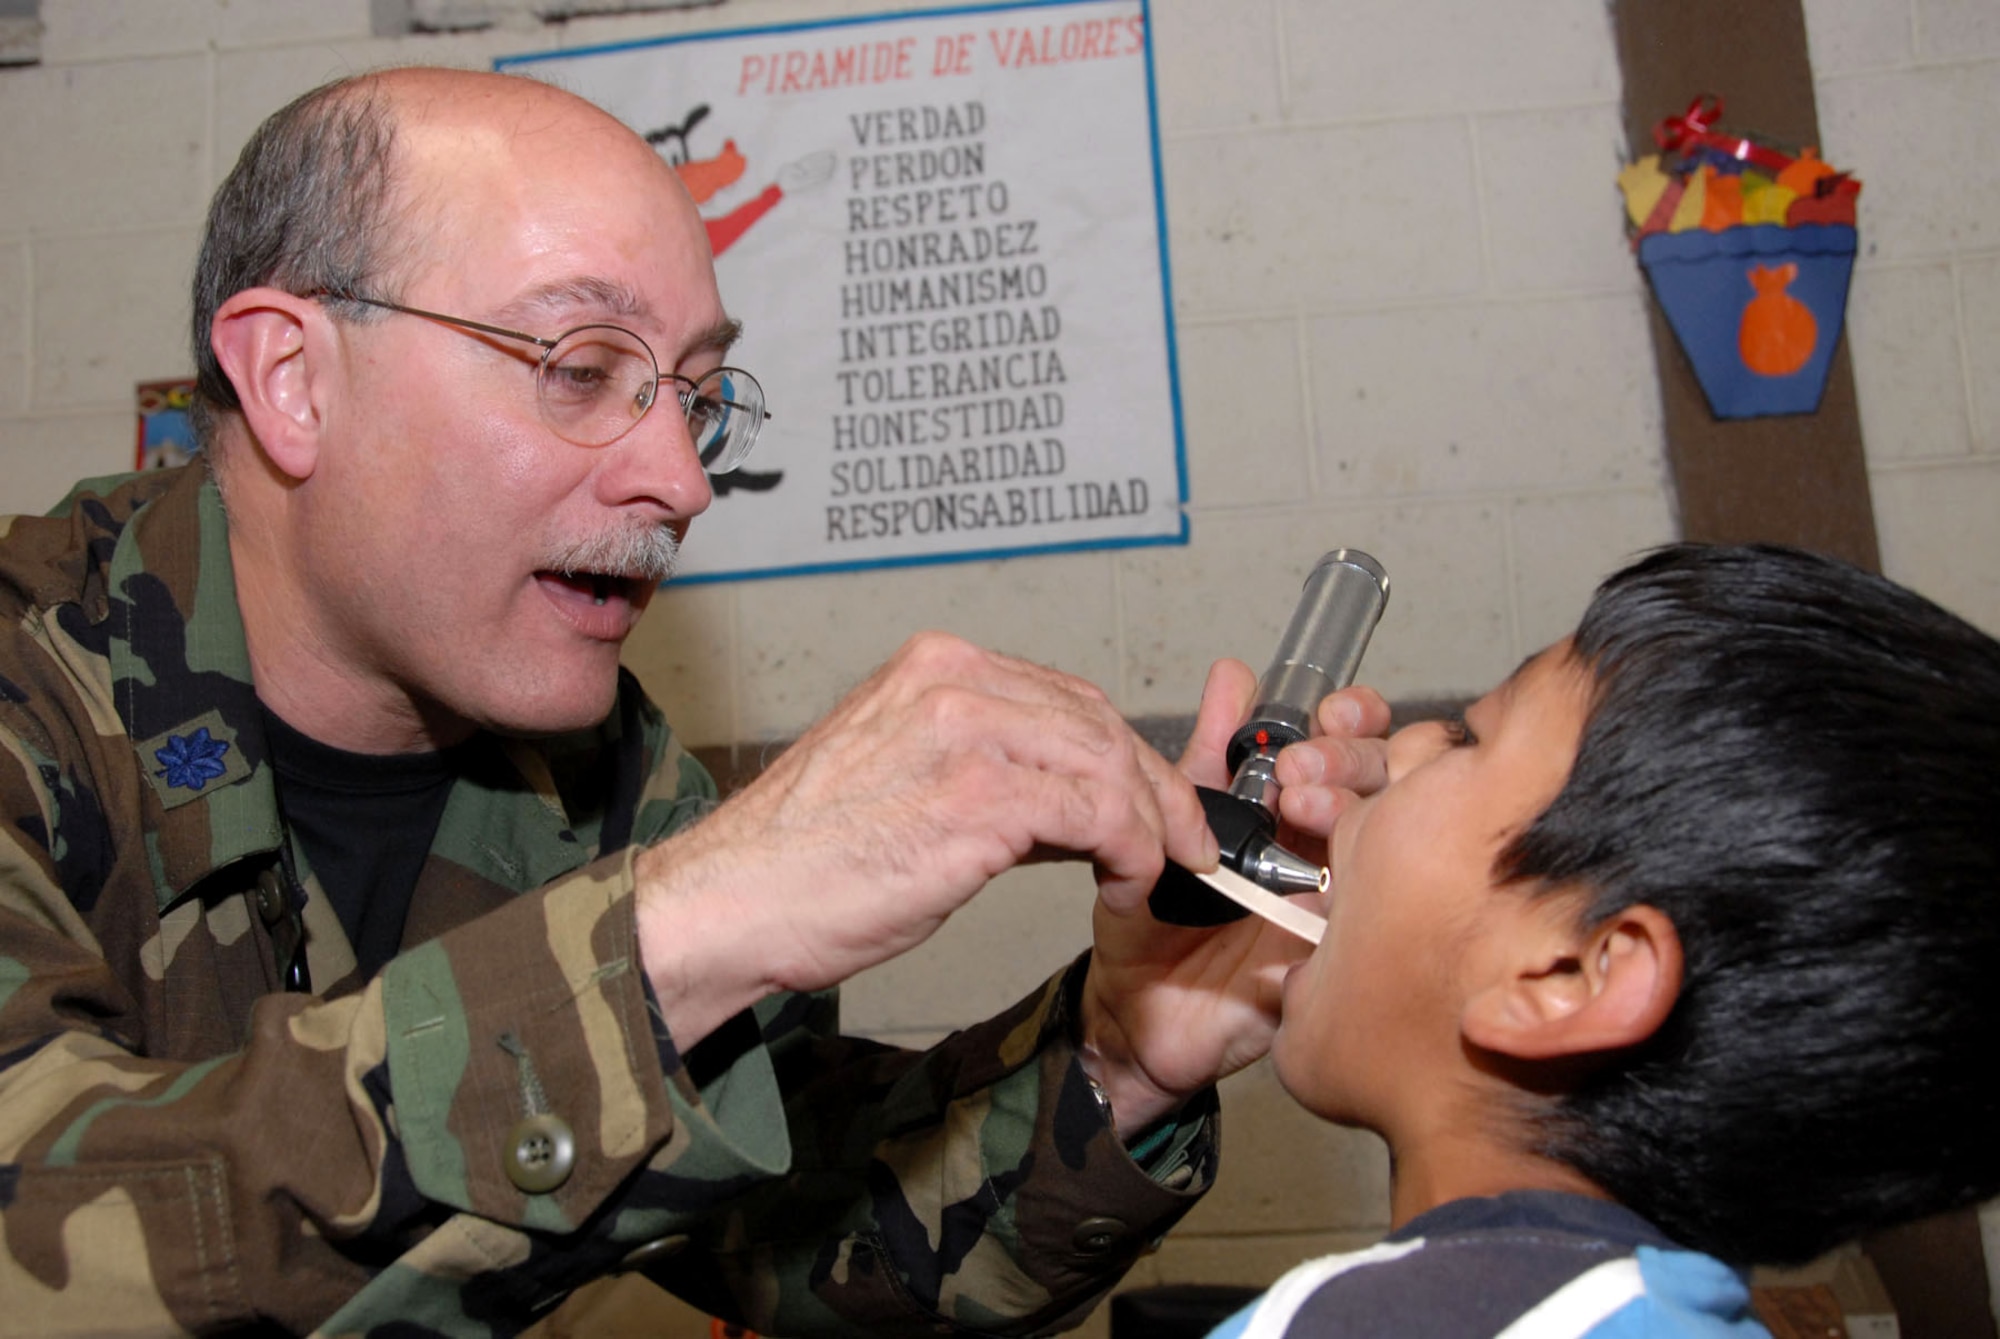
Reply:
x=1690, y=130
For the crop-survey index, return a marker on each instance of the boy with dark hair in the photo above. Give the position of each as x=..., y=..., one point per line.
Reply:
x=1678, y=953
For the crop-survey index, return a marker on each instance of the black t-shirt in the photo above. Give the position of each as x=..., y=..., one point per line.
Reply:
x=365, y=822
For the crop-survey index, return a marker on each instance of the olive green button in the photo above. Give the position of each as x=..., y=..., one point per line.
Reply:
x=271, y=905
x=1095, y=1236
x=653, y=1252
x=541, y=1152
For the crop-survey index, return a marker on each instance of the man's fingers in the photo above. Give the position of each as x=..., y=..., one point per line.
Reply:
x=1357, y=711
x=1319, y=778
x=937, y=658
x=1072, y=816
x=1016, y=761
x=1086, y=783
x=1081, y=782
x=1188, y=839
x=1226, y=699
x=1336, y=762
x=1314, y=809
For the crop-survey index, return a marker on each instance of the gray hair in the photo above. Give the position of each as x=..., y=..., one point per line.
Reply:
x=307, y=207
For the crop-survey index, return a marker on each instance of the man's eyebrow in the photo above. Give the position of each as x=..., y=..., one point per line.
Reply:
x=718, y=338
x=620, y=300
x=623, y=301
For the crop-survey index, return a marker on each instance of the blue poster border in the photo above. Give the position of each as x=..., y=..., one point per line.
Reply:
x=1181, y=535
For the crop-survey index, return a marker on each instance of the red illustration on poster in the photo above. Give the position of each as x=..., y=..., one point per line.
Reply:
x=943, y=235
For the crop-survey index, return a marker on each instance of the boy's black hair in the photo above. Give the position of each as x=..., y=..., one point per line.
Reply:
x=1799, y=764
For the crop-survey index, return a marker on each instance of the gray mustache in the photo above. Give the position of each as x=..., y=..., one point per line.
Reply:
x=639, y=551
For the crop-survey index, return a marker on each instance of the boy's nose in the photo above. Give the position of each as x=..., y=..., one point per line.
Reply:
x=1414, y=744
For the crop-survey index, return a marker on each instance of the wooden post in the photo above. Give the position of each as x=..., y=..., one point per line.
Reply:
x=1798, y=479
x=1795, y=479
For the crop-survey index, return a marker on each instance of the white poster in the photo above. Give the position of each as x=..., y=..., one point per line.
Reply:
x=943, y=234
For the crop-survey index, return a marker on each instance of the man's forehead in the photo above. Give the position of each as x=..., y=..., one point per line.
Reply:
x=568, y=228
x=511, y=138
x=431, y=94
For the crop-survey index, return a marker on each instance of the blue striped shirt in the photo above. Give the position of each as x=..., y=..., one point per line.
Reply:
x=1524, y=1265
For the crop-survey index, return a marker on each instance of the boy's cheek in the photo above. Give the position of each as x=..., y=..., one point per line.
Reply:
x=1295, y=1057
x=1314, y=1053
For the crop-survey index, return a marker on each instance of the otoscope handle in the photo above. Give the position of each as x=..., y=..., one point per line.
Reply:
x=1181, y=899
x=1337, y=611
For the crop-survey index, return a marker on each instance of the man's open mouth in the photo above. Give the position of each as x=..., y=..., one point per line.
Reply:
x=599, y=588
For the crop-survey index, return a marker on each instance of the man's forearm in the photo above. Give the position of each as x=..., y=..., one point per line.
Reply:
x=704, y=949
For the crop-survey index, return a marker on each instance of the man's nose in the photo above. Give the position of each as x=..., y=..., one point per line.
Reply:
x=657, y=460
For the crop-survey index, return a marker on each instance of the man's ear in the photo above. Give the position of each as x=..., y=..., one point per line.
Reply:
x=1583, y=992
x=272, y=346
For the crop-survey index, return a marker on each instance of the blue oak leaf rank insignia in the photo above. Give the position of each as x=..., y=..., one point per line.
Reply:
x=192, y=760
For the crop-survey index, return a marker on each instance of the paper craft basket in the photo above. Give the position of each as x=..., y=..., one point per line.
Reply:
x=1758, y=310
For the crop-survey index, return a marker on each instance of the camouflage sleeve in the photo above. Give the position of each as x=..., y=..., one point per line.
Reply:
x=971, y=1188
x=436, y=1152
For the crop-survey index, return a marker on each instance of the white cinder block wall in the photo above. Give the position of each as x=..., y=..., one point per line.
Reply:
x=1407, y=320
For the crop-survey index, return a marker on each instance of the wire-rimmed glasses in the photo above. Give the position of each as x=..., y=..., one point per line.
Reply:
x=596, y=381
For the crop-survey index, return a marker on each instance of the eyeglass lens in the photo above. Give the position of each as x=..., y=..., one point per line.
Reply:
x=724, y=411
x=596, y=383
x=599, y=380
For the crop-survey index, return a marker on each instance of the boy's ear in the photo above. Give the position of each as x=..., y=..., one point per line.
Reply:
x=273, y=346
x=1573, y=992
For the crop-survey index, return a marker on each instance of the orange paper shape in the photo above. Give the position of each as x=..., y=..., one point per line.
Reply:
x=1779, y=332
x=1805, y=170
x=1722, y=203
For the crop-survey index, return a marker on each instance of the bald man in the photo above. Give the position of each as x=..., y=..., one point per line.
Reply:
x=363, y=966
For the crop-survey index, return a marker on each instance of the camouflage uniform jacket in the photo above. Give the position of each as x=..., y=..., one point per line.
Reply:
x=498, y=1116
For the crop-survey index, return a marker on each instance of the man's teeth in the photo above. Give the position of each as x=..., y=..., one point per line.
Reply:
x=603, y=589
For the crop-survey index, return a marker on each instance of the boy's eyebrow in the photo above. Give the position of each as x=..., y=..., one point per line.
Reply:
x=1503, y=692
x=1505, y=688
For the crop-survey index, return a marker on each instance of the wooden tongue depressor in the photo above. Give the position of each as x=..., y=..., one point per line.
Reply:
x=1281, y=912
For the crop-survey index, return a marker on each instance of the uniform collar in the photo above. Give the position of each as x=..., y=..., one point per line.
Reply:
x=180, y=673
x=180, y=676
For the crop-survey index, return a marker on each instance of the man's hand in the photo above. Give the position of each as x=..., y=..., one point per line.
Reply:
x=1169, y=1010
x=946, y=767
